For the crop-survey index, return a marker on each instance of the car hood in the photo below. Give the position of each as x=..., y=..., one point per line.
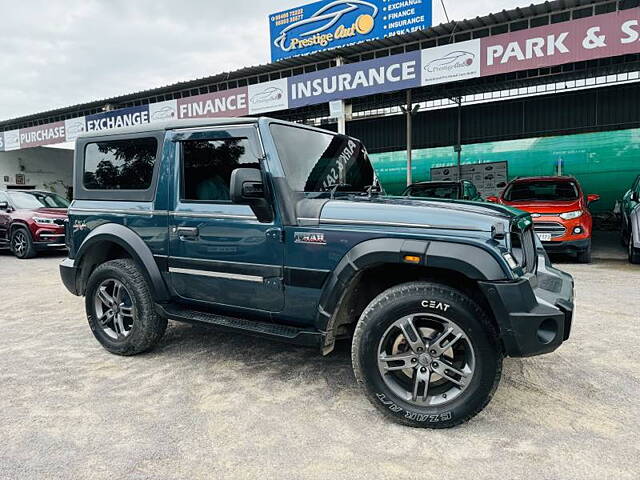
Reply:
x=406, y=212
x=547, y=207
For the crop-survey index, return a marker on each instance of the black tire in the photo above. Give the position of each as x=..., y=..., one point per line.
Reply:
x=147, y=326
x=634, y=253
x=22, y=244
x=584, y=256
x=408, y=299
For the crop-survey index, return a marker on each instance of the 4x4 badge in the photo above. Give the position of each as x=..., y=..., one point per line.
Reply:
x=307, y=237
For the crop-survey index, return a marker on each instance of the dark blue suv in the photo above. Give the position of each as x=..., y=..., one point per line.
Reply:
x=281, y=230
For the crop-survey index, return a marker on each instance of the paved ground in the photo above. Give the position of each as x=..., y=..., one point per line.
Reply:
x=215, y=406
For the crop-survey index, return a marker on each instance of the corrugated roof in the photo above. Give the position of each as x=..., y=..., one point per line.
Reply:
x=451, y=29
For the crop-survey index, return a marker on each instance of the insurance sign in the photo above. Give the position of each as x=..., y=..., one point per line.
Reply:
x=335, y=23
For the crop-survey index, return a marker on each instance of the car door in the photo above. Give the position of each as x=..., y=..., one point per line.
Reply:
x=5, y=220
x=218, y=251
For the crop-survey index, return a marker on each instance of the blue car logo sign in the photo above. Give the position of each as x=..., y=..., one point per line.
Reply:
x=326, y=25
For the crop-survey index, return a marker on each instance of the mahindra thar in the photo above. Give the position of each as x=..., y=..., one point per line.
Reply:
x=281, y=230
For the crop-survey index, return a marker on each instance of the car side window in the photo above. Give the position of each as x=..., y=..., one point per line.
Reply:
x=207, y=166
x=4, y=197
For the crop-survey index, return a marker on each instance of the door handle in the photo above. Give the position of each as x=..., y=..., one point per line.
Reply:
x=187, y=233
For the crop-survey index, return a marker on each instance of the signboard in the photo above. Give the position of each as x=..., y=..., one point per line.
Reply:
x=227, y=103
x=489, y=178
x=335, y=23
x=608, y=35
x=356, y=80
x=601, y=36
x=1, y=142
x=451, y=63
x=11, y=140
x=125, y=117
x=42, y=135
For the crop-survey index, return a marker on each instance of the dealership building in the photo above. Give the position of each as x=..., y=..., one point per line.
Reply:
x=540, y=90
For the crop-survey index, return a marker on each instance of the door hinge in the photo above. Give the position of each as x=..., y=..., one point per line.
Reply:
x=276, y=234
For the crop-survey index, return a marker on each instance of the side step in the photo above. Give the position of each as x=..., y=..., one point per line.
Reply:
x=274, y=331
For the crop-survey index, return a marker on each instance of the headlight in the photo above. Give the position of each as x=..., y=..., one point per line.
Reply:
x=513, y=264
x=43, y=221
x=571, y=215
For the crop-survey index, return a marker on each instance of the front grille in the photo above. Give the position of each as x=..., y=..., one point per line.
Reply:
x=523, y=247
x=554, y=228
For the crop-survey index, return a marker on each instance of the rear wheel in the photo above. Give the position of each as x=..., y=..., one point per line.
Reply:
x=22, y=244
x=634, y=253
x=426, y=355
x=120, y=309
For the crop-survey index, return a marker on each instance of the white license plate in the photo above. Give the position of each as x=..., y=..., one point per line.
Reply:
x=544, y=237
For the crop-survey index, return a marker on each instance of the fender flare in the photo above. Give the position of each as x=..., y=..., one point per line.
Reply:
x=469, y=260
x=134, y=246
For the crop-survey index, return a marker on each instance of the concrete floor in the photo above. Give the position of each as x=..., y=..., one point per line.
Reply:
x=215, y=406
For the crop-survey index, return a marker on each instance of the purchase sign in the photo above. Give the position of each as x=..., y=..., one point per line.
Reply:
x=600, y=36
x=42, y=135
x=356, y=80
x=125, y=117
x=335, y=23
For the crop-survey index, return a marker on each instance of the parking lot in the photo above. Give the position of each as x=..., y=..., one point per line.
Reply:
x=212, y=405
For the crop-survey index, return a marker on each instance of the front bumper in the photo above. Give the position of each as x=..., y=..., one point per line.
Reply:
x=569, y=246
x=69, y=275
x=534, y=313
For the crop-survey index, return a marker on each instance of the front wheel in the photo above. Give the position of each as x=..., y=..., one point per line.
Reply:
x=426, y=355
x=120, y=309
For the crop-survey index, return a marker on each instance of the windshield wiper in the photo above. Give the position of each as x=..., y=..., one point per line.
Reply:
x=334, y=188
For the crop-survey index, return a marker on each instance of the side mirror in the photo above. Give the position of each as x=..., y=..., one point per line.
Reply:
x=247, y=189
x=635, y=197
x=592, y=198
x=492, y=199
x=5, y=206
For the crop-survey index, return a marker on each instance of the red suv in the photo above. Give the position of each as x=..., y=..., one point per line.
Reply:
x=559, y=209
x=31, y=220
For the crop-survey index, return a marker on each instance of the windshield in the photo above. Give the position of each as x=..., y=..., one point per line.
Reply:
x=542, y=191
x=434, y=191
x=33, y=200
x=320, y=162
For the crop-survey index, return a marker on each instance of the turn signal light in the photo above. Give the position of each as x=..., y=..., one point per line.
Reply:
x=411, y=259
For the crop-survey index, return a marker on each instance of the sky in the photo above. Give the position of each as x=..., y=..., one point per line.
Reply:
x=56, y=54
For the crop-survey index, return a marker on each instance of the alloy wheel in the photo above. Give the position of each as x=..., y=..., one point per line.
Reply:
x=20, y=243
x=427, y=360
x=114, y=309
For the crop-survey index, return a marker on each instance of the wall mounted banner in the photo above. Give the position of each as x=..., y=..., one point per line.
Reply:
x=74, y=127
x=42, y=135
x=335, y=23
x=125, y=117
x=268, y=97
x=1, y=142
x=163, y=111
x=11, y=140
x=451, y=63
x=227, y=103
x=356, y=80
x=601, y=36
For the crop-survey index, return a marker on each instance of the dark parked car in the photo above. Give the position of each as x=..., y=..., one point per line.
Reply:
x=630, y=221
x=31, y=221
x=278, y=230
x=462, y=190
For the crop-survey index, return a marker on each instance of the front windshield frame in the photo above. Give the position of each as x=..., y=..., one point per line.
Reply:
x=34, y=200
x=359, y=178
x=508, y=192
x=416, y=190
